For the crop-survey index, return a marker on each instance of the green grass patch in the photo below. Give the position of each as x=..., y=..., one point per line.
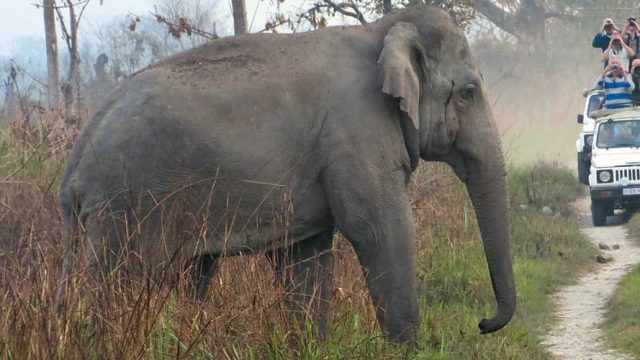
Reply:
x=543, y=184
x=623, y=315
x=633, y=227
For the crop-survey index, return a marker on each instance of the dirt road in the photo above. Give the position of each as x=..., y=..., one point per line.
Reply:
x=580, y=308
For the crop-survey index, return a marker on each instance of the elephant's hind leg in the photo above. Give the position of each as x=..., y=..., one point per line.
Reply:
x=305, y=269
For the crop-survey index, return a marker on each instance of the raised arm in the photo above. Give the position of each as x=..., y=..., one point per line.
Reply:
x=599, y=85
x=630, y=51
x=631, y=83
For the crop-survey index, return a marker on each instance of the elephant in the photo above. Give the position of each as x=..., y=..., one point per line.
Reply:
x=272, y=143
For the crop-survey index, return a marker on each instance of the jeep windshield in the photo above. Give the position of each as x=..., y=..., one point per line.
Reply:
x=617, y=134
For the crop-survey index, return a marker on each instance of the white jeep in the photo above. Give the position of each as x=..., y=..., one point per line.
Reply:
x=614, y=177
x=585, y=139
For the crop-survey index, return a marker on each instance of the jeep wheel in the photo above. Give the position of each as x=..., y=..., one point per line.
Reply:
x=609, y=210
x=583, y=170
x=599, y=213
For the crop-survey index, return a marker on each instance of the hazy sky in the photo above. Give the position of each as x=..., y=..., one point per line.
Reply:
x=20, y=18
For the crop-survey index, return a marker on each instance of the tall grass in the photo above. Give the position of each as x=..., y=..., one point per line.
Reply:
x=244, y=316
x=633, y=227
x=623, y=313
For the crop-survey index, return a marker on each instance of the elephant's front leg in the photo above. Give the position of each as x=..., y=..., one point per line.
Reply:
x=305, y=271
x=203, y=270
x=376, y=219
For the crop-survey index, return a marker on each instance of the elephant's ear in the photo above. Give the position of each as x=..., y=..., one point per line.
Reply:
x=402, y=68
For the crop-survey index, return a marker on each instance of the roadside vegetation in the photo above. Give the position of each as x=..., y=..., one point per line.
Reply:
x=623, y=318
x=244, y=317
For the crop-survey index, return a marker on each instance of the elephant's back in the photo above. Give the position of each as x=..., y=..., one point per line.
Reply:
x=268, y=61
x=246, y=108
x=148, y=142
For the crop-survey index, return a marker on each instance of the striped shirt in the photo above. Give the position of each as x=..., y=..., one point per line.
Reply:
x=617, y=91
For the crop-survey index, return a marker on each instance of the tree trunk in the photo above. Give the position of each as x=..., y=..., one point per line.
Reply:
x=239, y=17
x=386, y=6
x=53, y=69
x=72, y=87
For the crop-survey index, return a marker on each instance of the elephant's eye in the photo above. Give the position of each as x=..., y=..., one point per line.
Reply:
x=468, y=92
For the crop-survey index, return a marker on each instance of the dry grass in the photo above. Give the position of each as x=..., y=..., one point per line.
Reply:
x=121, y=316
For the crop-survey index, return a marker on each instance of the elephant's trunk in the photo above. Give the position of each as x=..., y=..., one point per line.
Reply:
x=487, y=189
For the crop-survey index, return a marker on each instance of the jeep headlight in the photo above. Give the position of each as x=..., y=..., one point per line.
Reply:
x=604, y=176
x=589, y=140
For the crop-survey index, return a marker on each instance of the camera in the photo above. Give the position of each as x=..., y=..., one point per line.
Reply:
x=636, y=71
x=614, y=66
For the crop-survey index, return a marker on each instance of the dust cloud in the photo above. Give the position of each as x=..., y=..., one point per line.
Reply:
x=535, y=93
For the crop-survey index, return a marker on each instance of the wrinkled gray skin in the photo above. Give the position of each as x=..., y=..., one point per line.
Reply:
x=276, y=141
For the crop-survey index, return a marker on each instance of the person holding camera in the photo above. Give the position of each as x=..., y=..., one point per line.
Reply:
x=631, y=37
x=635, y=76
x=603, y=37
x=617, y=48
x=616, y=84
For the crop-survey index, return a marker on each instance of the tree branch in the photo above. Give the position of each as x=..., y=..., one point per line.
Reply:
x=82, y=12
x=497, y=16
x=341, y=9
x=37, y=5
x=182, y=26
x=511, y=19
x=63, y=27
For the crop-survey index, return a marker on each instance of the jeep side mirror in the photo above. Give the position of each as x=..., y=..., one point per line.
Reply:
x=580, y=118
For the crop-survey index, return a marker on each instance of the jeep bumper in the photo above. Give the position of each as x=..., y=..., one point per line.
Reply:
x=616, y=196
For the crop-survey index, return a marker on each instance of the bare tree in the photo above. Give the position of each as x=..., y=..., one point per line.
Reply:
x=524, y=19
x=53, y=68
x=137, y=41
x=386, y=6
x=461, y=11
x=71, y=87
x=188, y=17
x=239, y=17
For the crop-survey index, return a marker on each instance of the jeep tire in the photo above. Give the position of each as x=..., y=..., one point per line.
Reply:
x=583, y=170
x=599, y=212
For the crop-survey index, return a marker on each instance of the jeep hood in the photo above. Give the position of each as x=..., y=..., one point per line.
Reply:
x=615, y=157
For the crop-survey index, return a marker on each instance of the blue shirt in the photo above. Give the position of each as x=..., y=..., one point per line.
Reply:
x=601, y=41
x=617, y=91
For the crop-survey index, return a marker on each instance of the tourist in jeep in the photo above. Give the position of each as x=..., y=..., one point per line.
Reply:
x=602, y=38
x=616, y=84
x=631, y=36
x=617, y=48
x=635, y=76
